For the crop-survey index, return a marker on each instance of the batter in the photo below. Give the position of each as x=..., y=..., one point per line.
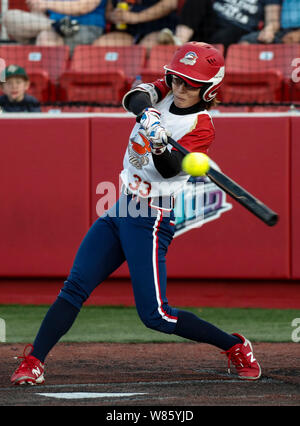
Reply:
x=140, y=227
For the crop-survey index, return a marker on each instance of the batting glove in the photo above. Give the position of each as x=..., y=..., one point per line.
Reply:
x=149, y=118
x=158, y=135
x=158, y=138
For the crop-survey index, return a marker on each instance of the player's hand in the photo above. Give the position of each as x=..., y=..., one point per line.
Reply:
x=291, y=37
x=266, y=35
x=150, y=117
x=121, y=16
x=158, y=138
x=156, y=133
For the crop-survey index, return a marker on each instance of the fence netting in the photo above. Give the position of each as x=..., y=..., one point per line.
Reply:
x=84, y=55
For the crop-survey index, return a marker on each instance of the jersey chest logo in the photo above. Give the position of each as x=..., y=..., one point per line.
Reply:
x=138, y=150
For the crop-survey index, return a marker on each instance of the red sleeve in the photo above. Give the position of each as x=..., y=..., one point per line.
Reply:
x=200, y=138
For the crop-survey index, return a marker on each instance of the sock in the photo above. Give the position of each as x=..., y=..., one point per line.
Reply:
x=56, y=323
x=194, y=328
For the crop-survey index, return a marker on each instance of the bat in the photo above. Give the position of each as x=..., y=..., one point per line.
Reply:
x=237, y=192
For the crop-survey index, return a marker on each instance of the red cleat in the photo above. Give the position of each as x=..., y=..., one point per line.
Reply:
x=241, y=355
x=31, y=370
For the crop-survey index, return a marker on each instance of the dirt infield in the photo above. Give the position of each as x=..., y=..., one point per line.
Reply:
x=172, y=374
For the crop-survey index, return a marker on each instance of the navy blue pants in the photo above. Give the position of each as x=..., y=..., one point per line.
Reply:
x=140, y=234
x=143, y=242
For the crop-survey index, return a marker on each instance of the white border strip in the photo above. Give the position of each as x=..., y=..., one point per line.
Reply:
x=89, y=395
x=31, y=115
x=155, y=266
x=255, y=114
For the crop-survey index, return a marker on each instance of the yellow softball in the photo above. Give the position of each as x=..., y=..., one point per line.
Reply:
x=195, y=164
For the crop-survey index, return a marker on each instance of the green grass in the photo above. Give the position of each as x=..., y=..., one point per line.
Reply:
x=122, y=324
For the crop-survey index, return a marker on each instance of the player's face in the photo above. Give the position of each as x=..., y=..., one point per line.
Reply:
x=15, y=88
x=185, y=95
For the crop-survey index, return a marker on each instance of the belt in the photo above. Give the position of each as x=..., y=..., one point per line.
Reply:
x=163, y=202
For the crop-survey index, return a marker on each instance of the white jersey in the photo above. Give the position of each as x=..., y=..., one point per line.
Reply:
x=139, y=174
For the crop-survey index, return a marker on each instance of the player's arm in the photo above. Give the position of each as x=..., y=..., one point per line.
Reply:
x=272, y=23
x=199, y=139
x=138, y=101
x=151, y=13
x=167, y=163
x=67, y=7
x=156, y=92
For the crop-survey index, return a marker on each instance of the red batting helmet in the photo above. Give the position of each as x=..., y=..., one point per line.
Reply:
x=199, y=64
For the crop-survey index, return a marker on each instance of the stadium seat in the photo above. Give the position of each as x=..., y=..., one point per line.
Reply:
x=43, y=64
x=161, y=55
x=18, y=4
x=102, y=74
x=259, y=73
x=252, y=87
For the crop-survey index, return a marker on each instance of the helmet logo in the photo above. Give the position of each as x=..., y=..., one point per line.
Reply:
x=189, y=58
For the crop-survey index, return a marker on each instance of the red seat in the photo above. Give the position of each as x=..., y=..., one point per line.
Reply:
x=18, y=4
x=161, y=55
x=252, y=87
x=43, y=65
x=102, y=74
x=262, y=69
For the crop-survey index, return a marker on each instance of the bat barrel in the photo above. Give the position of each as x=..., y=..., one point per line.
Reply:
x=238, y=193
x=243, y=197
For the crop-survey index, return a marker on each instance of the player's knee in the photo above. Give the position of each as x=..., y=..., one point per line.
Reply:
x=10, y=19
x=73, y=292
x=49, y=38
x=157, y=323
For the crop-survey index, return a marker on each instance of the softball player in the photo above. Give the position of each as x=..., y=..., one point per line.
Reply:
x=139, y=228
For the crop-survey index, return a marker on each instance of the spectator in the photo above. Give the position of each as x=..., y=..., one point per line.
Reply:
x=283, y=25
x=196, y=22
x=220, y=21
x=15, y=86
x=57, y=22
x=143, y=21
